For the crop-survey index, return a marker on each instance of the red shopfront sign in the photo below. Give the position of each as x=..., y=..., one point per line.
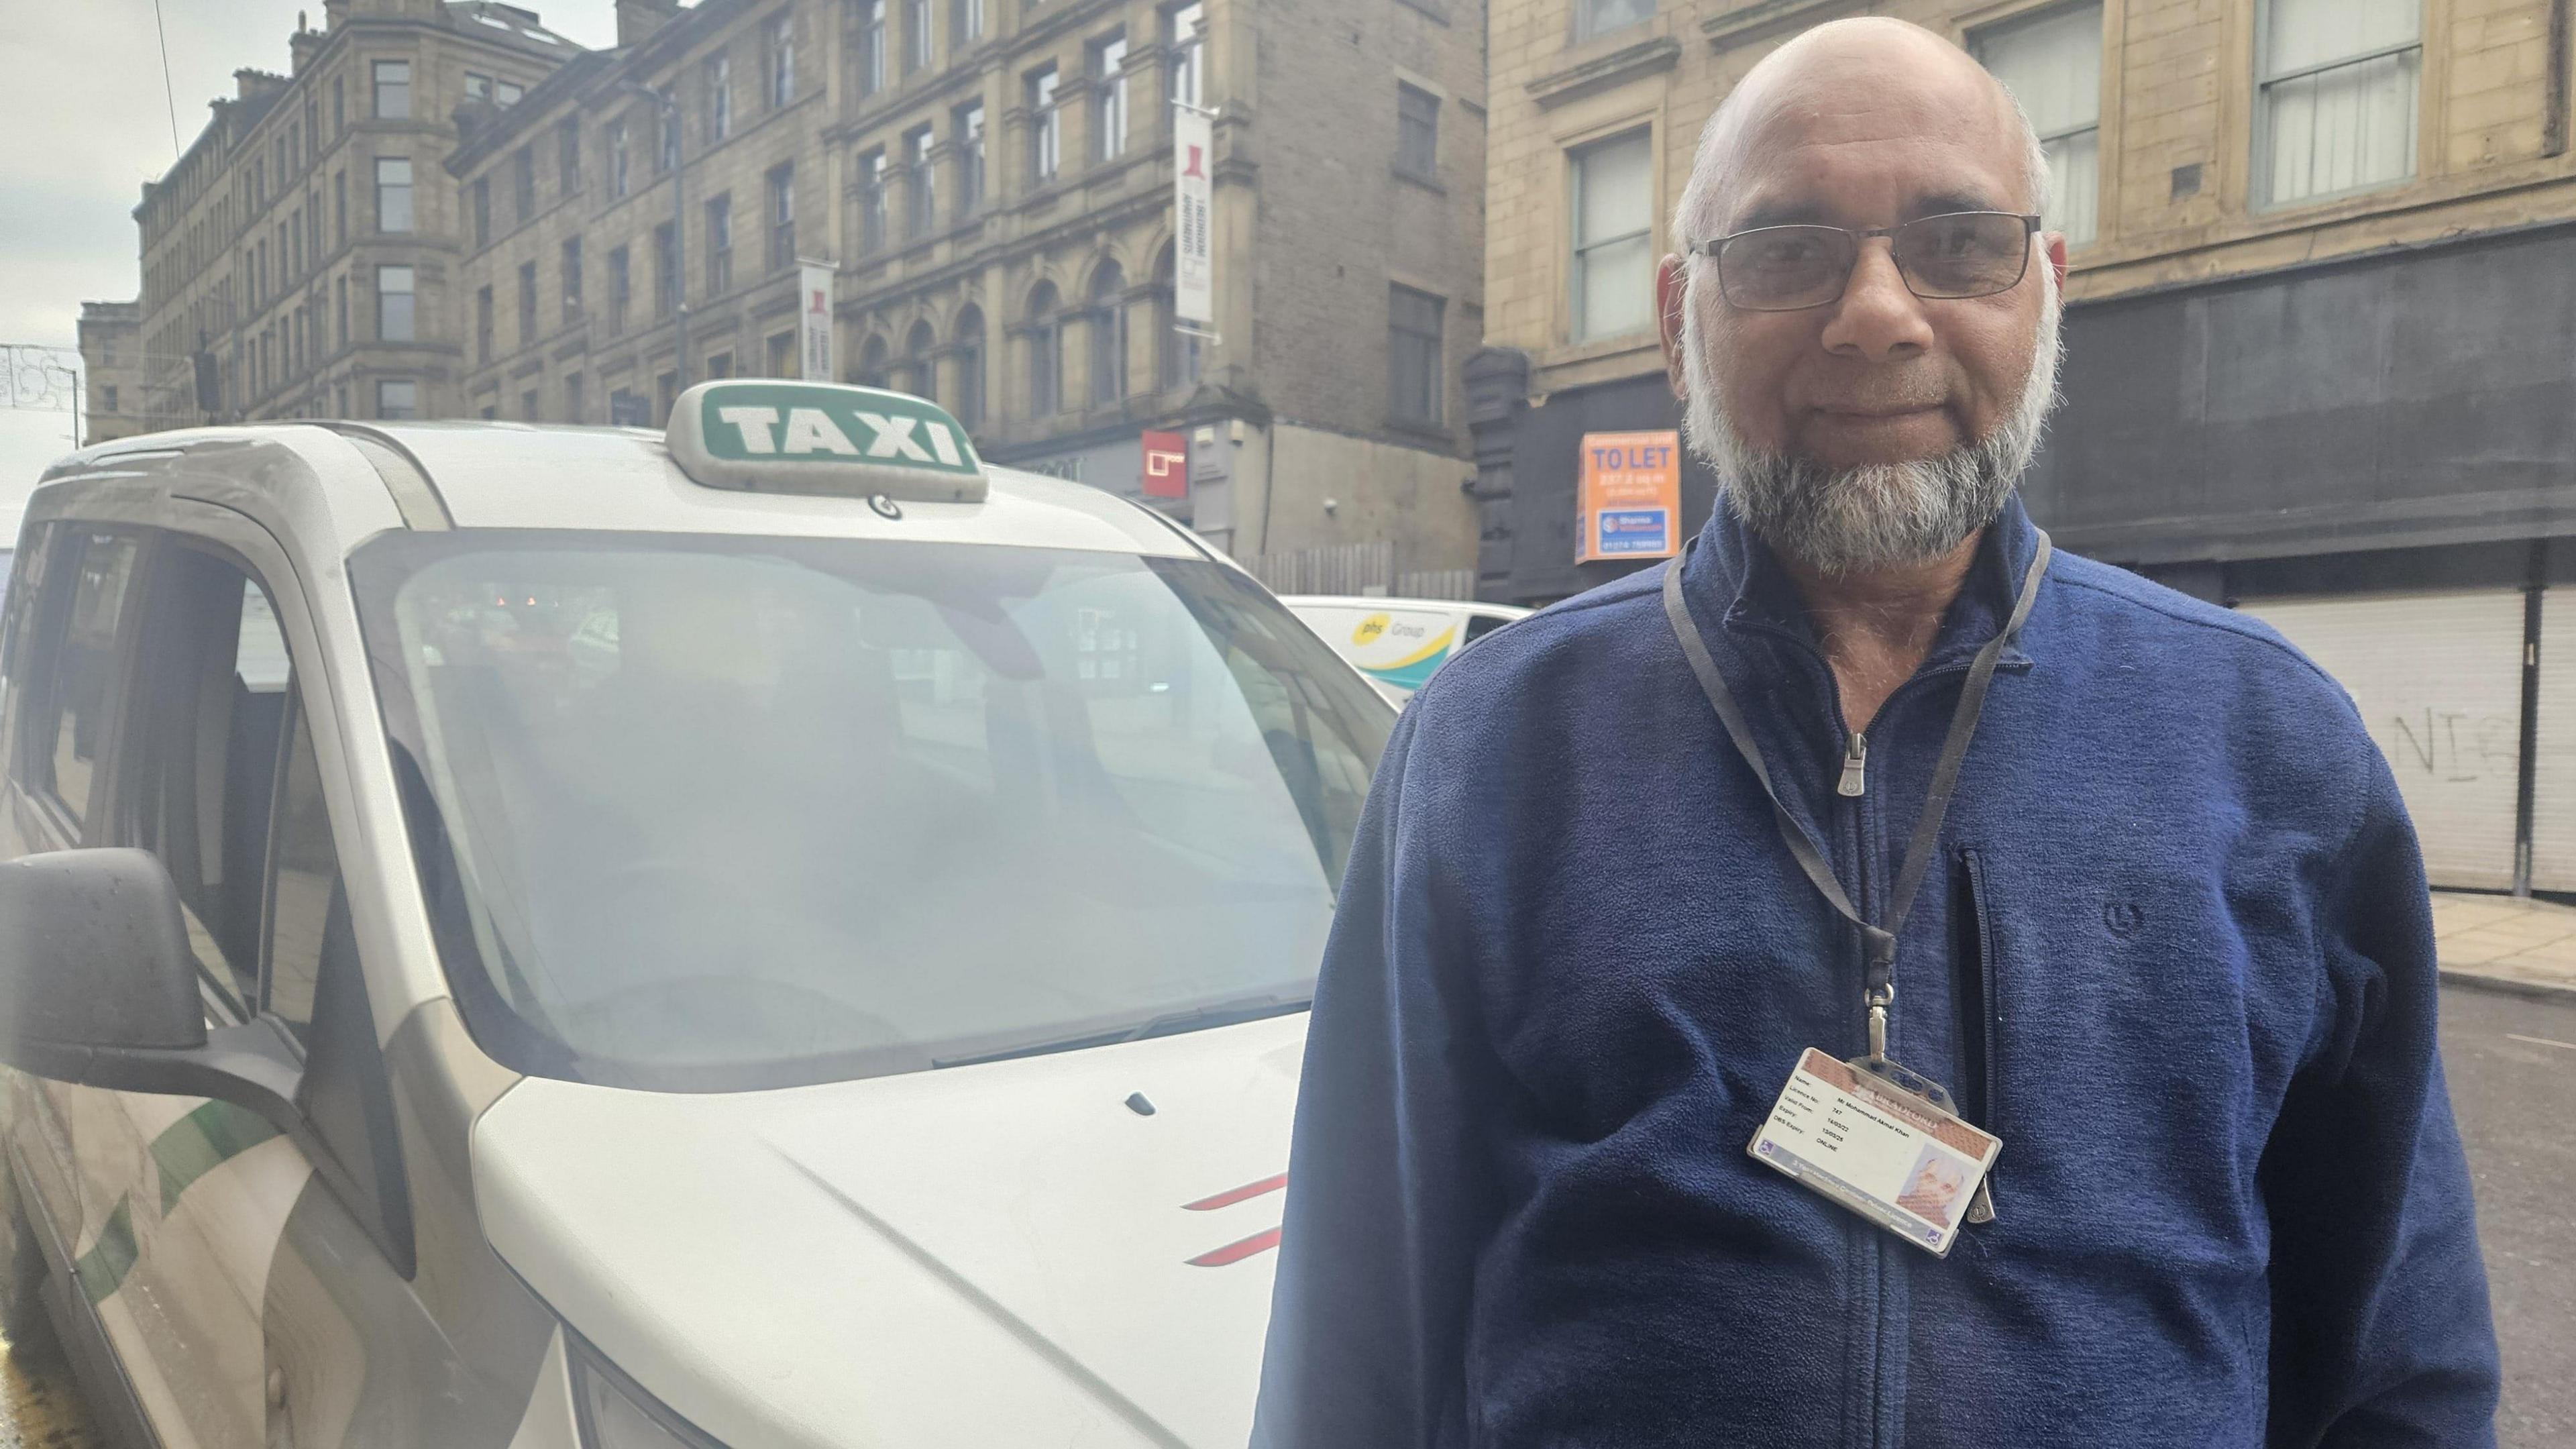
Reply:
x=1167, y=465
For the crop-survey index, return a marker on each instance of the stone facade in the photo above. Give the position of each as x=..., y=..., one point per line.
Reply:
x=2181, y=200
x=1026, y=284
x=114, y=401
x=264, y=247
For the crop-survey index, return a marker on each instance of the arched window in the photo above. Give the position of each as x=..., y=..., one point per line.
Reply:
x=1046, y=352
x=872, y=364
x=970, y=368
x=1176, y=353
x=920, y=374
x=1108, y=327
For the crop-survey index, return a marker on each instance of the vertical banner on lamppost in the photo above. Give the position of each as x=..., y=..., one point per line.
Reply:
x=1630, y=499
x=814, y=321
x=1193, y=206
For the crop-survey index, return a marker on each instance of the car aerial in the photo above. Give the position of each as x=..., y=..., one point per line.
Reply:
x=774, y=932
x=1397, y=643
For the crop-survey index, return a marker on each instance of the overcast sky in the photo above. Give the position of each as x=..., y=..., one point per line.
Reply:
x=84, y=123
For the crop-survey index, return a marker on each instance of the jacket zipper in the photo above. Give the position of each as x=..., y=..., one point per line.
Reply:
x=1855, y=766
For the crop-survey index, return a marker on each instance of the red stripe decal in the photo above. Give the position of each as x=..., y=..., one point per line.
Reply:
x=1245, y=1193
x=1237, y=1252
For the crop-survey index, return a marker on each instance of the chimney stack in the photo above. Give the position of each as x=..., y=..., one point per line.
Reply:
x=637, y=19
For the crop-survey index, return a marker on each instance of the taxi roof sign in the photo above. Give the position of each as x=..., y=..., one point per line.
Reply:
x=768, y=435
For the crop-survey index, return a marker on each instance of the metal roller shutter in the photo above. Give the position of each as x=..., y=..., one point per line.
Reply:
x=2438, y=680
x=2553, y=770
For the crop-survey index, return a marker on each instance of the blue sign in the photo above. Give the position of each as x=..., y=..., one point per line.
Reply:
x=1634, y=530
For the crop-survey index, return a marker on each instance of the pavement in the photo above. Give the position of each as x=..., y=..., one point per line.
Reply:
x=2501, y=943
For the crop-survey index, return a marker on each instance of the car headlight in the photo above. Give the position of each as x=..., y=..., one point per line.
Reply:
x=615, y=1411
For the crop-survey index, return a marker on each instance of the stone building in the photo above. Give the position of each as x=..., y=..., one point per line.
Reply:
x=300, y=259
x=114, y=400
x=2322, y=279
x=991, y=181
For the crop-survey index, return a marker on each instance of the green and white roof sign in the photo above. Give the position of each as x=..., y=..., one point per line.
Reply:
x=766, y=435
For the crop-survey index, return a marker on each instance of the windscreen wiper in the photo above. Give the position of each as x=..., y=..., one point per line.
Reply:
x=1170, y=1023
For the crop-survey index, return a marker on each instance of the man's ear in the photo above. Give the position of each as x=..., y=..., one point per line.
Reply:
x=1672, y=285
x=2055, y=241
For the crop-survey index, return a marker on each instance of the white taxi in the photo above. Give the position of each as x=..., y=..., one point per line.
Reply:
x=774, y=933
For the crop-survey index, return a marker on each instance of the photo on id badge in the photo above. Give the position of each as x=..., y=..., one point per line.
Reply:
x=1898, y=1161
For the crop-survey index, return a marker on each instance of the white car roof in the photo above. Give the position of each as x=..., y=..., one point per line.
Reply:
x=1372, y=601
x=523, y=475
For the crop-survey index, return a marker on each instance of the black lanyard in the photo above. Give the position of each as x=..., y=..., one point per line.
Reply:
x=1879, y=983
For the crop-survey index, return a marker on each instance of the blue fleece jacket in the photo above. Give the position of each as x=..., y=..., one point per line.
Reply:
x=2176, y=952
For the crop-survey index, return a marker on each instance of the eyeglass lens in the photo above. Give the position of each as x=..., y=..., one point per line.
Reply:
x=1964, y=254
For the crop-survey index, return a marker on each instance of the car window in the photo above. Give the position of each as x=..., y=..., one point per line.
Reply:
x=91, y=589
x=225, y=790
x=715, y=814
x=1480, y=625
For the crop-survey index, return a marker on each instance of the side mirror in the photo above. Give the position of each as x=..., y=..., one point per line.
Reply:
x=98, y=987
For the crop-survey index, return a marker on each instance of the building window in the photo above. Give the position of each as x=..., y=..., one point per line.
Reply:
x=1109, y=98
x=719, y=98
x=482, y=210
x=1046, y=353
x=666, y=392
x=872, y=46
x=921, y=202
x=1600, y=17
x=616, y=158
x=2052, y=64
x=340, y=313
x=666, y=270
x=719, y=366
x=1108, y=327
x=397, y=398
x=570, y=270
x=872, y=200
x=523, y=184
x=967, y=135
x=295, y=235
x=621, y=288
x=483, y=324
x=107, y=398
x=507, y=94
x=916, y=36
x=782, y=57
x=1046, y=128
x=576, y=406
x=478, y=87
x=339, y=114
x=969, y=400
x=965, y=22
x=720, y=245
x=527, y=304
x=1413, y=355
x=568, y=156
x=782, y=217
x=1417, y=131
x=2337, y=106
x=339, y=208
x=393, y=90
x=528, y=405
x=782, y=354
x=393, y=193
x=1613, y=216
x=666, y=141
x=1188, y=44
x=394, y=315
x=919, y=370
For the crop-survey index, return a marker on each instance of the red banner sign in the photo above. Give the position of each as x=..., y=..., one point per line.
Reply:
x=1167, y=465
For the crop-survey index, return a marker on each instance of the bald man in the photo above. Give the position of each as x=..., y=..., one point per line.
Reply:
x=2024, y=847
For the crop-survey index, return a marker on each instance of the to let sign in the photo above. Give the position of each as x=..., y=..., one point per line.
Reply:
x=1629, y=500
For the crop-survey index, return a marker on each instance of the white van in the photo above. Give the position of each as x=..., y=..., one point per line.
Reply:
x=545, y=938
x=1397, y=643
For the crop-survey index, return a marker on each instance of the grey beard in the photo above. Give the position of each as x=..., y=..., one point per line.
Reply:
x=1876, y=515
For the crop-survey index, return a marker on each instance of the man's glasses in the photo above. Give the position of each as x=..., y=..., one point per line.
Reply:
x=1943, y=258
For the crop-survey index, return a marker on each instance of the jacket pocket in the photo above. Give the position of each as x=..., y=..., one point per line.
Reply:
x=1975, y=963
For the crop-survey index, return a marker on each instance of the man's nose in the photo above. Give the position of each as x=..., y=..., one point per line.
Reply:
x=1878, y=317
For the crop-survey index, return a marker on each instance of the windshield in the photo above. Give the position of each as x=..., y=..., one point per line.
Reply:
x=716, y=813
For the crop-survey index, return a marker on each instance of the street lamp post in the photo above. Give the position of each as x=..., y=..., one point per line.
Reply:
x=666, y=106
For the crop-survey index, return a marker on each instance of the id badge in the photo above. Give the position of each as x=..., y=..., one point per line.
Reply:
x=1896, y=1159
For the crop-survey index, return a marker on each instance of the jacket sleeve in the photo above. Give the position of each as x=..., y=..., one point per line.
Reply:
x=1389, y=1197
x=2380, y=1328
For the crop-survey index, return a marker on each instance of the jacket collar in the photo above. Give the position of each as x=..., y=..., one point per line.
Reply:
x=1759, y=597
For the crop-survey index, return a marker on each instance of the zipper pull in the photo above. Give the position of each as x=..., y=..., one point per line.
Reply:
x=1855, y=762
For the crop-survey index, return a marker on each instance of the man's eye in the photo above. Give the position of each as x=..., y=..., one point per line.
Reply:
x=1786, y=251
